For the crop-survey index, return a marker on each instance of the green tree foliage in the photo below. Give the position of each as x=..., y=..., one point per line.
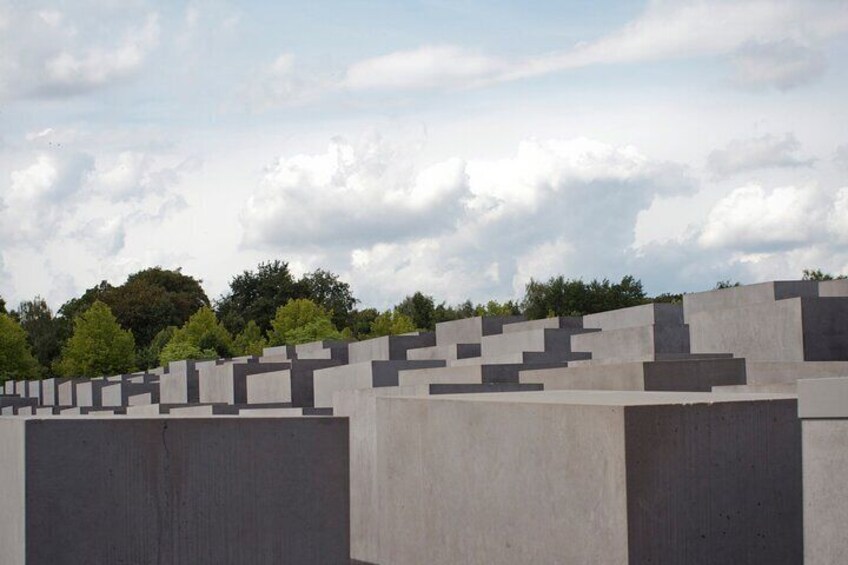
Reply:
x=2, y=306
x=391, y=322
x=153, y=299
x=98, y=345
x=495, y=308
x=325, y=288
x=360, y=323
x=202, y=336
x=301, y=321
x=573, y=297
x=726, y=284
x=668, y=297
x=43, y=331
x=16, y=360
x=819, y=275
x=148, y=357
x=250, y=341
x=257, y=295
x=420, y=308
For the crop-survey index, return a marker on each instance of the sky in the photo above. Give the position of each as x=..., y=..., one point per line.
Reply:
x=454, y=147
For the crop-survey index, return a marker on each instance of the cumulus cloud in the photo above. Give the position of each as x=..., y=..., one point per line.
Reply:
x=840, y=157
x=354, y=194
x=480, y=227
x=41, y=195
x=136, y=175
x=758, y=153
x=755, y=220
x=49, y=53
x=782, y=64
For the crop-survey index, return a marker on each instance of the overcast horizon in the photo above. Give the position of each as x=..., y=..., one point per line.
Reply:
x=458, y=148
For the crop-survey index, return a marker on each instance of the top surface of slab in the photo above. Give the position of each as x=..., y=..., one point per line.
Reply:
x=823, y=398
x=614, y=398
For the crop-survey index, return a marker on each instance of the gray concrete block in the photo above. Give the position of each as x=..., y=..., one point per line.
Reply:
x=50, y=391
x=33, y=390
x=227, y=383
x=118, y=394
x=327, y=349
x=89, y=392
x=823, y=398
x=472, y=330
x=680, y=376
x=274, y=386
x=747, y=295
x=638, y=343
x=388, y=348
x=777, y=372
x=285, y=352
x=595, y=477
x=560, y=322
x=645, y=315
x=468, y=374
x=833, y=288
x=362, y=375
x=555, y=341
x=15, y=401
x=178, y=491
x=9, y=387
x=444, y=352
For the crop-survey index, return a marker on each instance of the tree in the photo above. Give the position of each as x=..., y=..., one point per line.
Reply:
x=360, y=322
x=16, y=360
x=726, y=284
x=573, y=297
x=148, y=357
x=420, y=308
x=42, y=329
x=391, y=323
x=98, y=346
x=153, y=299
x=301, y=321
x=202, y=335
x=257, y=295
x=495, y=308
x=819, y=275
x=250, y=341
x=325, y=288
x=2, y=306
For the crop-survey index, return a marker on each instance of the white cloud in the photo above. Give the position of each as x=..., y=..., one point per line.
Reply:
x=753, y=219
x=771, y=43
x=782, y=64
x=430, y=66
x=455, y=228
x=136, y=175
x=758, y=153
x=840, y=157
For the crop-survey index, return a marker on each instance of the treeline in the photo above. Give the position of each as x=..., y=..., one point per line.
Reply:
x=161, y=315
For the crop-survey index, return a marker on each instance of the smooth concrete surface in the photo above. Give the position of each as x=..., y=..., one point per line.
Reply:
x=472, y=330
x=680, y=376
x=468, y=374
x=833, y=288
x=588, y=477
x=227, y=383
x=553, y=340
x=636, y=316
x=823, y=398
x=89, y=393
x=119, y=393
x=33, y=389
x=638, y=343
x=388, y=348
x=50, y=391
x=178, y=491
x=774, y=372
x=362, y=375
x=825, y=454
x=557, y=322
x=274, y=386
x=444, y=352
x=747, y=295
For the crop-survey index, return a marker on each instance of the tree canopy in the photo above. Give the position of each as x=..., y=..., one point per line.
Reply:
x=201, y=337
x=819, y=275
x=573, y=297
x=256, y=295
x=98, y=345
x=301, y=321
x=391, y=322
x=16, y=360
x=37, y=320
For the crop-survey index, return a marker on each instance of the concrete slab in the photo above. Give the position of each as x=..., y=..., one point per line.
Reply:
x=639, y=343
x=162, y=490
x=472, y=330
x=388, y=348
x=635, y=477
x=658, y=314
x=362, y=375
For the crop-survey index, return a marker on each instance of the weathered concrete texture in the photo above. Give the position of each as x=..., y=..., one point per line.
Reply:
x=833, y=288
x=89, y=392
x=446, y=352
x=594, y=477
x=388, y=348
x=680, y=376
x=177, y=491
x=636, y=316
x=793, y=329
x=782, y=388
x=748, y=295
x=119, y=393
x=555, y=341
x=638, y=343
x=286, y=352
x=561, y=322
x=472, y=330
x=327, y=349
x=500, y=373
x=362, y=375
x=227, y=383
x=33, y=390
x=777, y=372
x=823, y=398
x=9, y=388
x=274, y=386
